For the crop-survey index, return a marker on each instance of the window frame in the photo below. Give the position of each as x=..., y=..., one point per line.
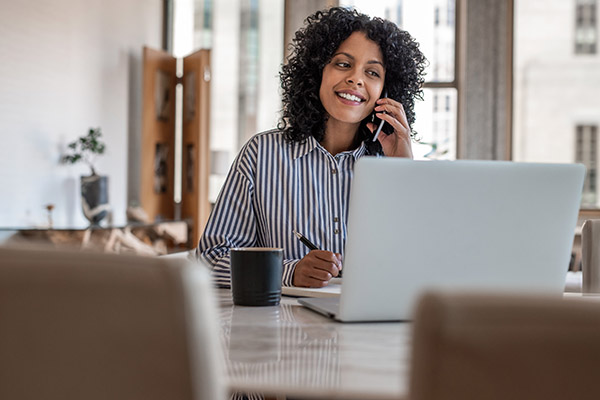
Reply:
x=455, y=82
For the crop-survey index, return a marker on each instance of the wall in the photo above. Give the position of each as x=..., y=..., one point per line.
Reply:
x=66, y=66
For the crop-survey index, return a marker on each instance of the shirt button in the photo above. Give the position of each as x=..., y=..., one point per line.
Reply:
x=336, y=231
x=335, y=219
x=334, y=171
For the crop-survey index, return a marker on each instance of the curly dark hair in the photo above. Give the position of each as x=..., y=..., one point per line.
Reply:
x=312, y=48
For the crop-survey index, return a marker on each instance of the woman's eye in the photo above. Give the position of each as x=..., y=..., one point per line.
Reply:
x=343, y=64
x=373, y=73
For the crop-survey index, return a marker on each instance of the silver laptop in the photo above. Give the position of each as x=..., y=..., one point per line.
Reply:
x=484, y=225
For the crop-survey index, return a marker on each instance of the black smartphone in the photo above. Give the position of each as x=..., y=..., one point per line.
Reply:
x=379, y=123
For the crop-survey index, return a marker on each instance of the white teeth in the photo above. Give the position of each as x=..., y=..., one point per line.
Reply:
x=350, y=97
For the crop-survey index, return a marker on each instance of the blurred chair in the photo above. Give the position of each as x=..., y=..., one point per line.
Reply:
x=488, y=347
x=590, y=256
x=100, y=326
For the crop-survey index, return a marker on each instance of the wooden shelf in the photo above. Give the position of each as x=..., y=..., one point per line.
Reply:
x=147, y=239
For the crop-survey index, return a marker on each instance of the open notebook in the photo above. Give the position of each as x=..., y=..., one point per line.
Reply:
x=331, y=290
x=485, y=225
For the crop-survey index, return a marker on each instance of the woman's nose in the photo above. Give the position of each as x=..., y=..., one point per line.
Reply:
x=353, y=79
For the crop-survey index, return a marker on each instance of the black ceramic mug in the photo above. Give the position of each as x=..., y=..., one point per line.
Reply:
x=256, y=274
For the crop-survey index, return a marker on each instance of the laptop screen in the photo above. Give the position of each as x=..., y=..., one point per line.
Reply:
x=485, y=225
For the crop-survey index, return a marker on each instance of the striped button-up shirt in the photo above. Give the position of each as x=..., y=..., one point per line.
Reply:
x=274, y=187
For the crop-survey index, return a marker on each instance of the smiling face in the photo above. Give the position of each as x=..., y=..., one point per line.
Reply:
x=353, y=80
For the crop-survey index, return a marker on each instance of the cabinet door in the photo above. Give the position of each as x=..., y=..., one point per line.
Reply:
x=158, y=135
x=195, y=206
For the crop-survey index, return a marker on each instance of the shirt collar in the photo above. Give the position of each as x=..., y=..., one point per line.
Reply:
x=360, y=151
x=356, y=153
x=302, y=149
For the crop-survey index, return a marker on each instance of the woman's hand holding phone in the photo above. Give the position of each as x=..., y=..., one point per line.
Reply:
x=398, y=143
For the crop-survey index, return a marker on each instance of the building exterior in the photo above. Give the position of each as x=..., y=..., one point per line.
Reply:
x=557, y=86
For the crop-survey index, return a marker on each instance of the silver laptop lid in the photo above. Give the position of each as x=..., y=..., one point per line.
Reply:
x=455, y=224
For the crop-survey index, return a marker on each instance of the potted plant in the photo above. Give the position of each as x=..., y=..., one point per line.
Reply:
x=94, y=188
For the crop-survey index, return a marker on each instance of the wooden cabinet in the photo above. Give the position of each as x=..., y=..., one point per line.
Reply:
x=176, y=168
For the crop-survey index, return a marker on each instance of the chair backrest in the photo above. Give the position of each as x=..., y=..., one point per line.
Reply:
x=487, y=346
x=98, y=326
x=590, y=256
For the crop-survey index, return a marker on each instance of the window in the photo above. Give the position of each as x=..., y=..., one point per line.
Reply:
x=399, y=14
x=556, y=107
x=436, y=116
x=450, y=13
x=248, y=70
x=203, y=14
x=586, y=35
x=246, y=38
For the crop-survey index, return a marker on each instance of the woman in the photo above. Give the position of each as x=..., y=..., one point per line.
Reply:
x=298, y=177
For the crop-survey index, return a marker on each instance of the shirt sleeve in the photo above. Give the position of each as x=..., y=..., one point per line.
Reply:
x=232, y=224
x=289, y=266
x=233, y=221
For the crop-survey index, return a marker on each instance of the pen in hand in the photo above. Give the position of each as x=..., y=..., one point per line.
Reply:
x=310, y=245
x=305, y=241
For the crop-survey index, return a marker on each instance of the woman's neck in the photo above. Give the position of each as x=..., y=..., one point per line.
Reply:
x=339, y=137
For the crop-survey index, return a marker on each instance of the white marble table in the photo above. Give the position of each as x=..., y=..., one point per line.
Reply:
x=290, y=351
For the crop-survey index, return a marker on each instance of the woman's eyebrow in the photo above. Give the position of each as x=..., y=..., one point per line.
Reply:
x=375, y=62
x=352, y=57
x=345, y=54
